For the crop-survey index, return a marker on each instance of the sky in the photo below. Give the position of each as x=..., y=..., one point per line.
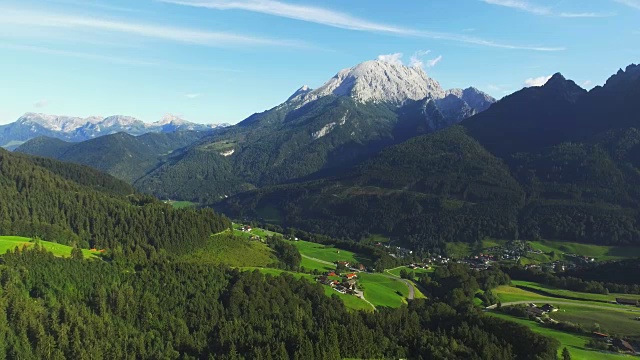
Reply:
x=214, y=61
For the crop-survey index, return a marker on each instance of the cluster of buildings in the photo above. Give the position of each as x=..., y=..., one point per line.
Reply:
x=437, y=260
x=617, y=343
x=396, y=251
x=540, y=311
x=347, y=285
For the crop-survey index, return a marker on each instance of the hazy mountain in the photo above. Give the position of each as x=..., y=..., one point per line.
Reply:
x=32, y=125
x=355, y=114
x=553, y=161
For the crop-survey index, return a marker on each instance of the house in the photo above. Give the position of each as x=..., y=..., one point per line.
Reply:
x=335, y=283
x=246, y=228
x=349, y=284
x=600, y=335
x=548, y=308
x=623, y=301
x=343, y=263
x=623, y=345
x=332, y=273
x=351, y=276
x=535, y=311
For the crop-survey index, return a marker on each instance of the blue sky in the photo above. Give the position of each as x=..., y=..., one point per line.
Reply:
x=222, y=60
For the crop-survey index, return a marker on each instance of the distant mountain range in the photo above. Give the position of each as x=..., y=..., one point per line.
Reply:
x=75, y=129
x=554, y=162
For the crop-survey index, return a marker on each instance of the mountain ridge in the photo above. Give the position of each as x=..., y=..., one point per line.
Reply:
x=69, y=128
x=554, y=162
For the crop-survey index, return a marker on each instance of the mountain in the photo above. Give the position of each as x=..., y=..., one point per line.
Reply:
x=76, y=205
x=124, y=156
x=32, y=125
x=355, y=114
x=553, y=162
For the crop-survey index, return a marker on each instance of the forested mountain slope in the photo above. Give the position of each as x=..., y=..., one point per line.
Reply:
x=124, y=156
x=551, y=162
x=72, y=204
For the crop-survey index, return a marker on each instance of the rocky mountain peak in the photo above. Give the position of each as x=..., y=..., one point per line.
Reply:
x=379, y=81
x=561, y=86
x=623, y=77
x=302, y=91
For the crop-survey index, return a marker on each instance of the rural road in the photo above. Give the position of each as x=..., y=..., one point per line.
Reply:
x=552, y=302
x=412, y=290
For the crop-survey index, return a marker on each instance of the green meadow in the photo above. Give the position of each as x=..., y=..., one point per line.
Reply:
x=234, y=251
x=329, y=253
x=11, y=242
x=383, y=291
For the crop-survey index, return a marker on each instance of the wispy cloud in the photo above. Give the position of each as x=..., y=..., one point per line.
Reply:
x=416, y=58
x=587, y=84
x=539, y=81
x=395, y=58
x=110, y=59
x=414, y=61
x=192, y=96
x=96, y=5
x=176, y=34
x=342, y=20
x=75, y=54
x=586, y=15
x=632, y=3
x=529, y=7
x=434, y=62
x=41, y=103
x=521, y=5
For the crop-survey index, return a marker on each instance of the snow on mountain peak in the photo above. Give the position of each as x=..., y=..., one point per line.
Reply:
x=170, y=119
x=120, y=120
x=58, y=123
x=300, y=92
x=379, y=81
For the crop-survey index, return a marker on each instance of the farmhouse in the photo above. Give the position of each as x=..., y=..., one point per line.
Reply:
x=623, y=301
x=351, y=276
x=548, y=308
x=246, y=228
x=349, y=284
x=343, y=263
x=623, y=345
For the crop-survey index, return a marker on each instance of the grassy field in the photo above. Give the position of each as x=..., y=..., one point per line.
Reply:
x=11, y=242
x=350, y=301
x=571, y=294
x=383, y=291
x=599, y=252
x=615, y=321
x=330, y=254
x=396, y=271
x=310, y=264
x=574, y=343
x=237, y=252
x=610, y=318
